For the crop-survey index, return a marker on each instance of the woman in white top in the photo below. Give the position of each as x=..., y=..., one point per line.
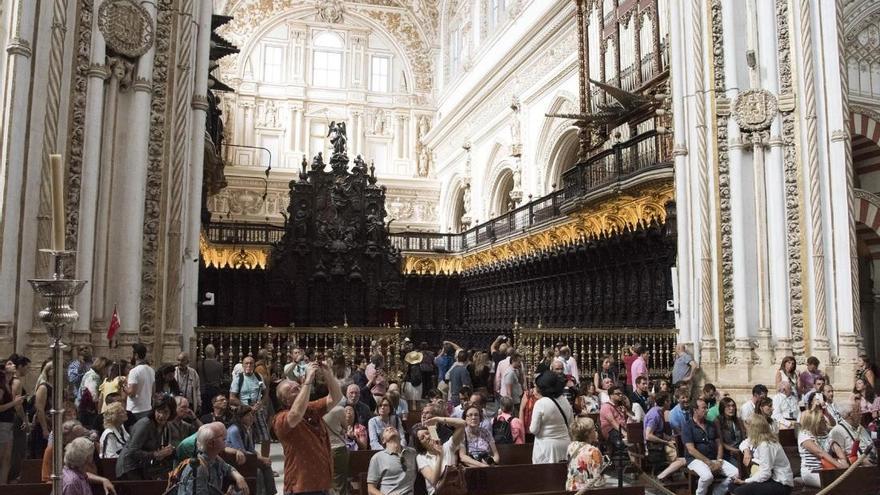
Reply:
x=434, y=457
x=114, y=437
x=814, y=430
x=550, y=420
x=774, y=476
x=787, y=373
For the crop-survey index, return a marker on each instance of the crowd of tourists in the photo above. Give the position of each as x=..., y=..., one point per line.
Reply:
x=322, y=406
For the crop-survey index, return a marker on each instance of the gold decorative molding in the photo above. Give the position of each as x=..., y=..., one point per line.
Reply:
x=240, y=256
x=624, y=212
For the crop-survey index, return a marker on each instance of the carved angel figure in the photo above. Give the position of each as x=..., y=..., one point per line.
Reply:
x=337, y=137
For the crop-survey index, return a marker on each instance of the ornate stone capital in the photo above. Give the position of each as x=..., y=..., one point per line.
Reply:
x=99, y=71
x=199, y=102
x=19, y=46
x=127, y=27
x=144, y=85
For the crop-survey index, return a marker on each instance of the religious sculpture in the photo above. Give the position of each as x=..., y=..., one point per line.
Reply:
x=337, y=138
x=379, y=123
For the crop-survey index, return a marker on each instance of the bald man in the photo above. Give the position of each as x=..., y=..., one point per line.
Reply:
x=188, y=381
x=353, y=398
x=308, y=465
x=212, y=471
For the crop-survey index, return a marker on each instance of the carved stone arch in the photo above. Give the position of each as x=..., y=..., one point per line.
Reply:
x=550, y=134
x=865, y=131
x=452, y=204
x=499, y=196
x=251, y=23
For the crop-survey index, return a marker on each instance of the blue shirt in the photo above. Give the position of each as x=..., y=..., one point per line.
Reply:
x=678, y=417
x=705, y=440
x=239, y=439
x=444, y=362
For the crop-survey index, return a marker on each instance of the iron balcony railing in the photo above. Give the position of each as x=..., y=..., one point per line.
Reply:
x=620, y=163
x=243, y=233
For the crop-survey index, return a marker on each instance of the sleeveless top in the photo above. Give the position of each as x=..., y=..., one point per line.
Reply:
x=7, y=416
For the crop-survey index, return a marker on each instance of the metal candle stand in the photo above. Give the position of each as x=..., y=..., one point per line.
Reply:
x=58, y=292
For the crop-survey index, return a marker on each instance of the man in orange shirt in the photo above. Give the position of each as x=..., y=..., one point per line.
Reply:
x=308, y=466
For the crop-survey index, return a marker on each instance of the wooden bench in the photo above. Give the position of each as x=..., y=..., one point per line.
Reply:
x=122, y=488
x=107, y=468
x=859, y=481
x=32, y=471
x=358, y=464
x=511, y=454
x=518, y=479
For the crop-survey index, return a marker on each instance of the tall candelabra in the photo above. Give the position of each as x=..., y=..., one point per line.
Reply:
x=58, y=292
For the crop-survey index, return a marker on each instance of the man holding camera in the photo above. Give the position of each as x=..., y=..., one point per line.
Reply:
x=308, y=466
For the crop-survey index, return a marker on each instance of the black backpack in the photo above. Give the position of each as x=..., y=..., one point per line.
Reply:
x=415, y=375
x=501, y=431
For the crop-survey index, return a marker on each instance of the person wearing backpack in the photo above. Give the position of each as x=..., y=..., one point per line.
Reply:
x=412, y=386
x=506, y=428
x=250, y=389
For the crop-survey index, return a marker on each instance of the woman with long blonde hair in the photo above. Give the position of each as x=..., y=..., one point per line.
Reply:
x=814, y=430
x=773, y=475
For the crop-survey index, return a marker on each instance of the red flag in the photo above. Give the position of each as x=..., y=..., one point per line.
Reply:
x=114, y=324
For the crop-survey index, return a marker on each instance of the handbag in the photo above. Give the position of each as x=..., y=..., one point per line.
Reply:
x=451, y=482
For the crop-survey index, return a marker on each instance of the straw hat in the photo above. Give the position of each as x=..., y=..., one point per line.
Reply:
x=413, y=357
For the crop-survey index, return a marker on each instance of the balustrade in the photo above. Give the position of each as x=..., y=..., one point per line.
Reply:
x=589, y=346
x=233, y=344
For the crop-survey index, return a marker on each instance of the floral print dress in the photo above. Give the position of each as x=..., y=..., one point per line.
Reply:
x=584, y=467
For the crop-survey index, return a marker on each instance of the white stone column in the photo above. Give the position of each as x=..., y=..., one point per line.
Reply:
x=128, y=195
x=249, y=109
x=840, y=241
x=307, y=140
x=193, y=213
x=15, y=118
x=774, y=186
x=90, y=180
x=686, y=316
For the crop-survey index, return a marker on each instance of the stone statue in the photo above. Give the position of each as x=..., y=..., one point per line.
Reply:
x=379, y=123
x=424, y=161
x=424, y=126
x=467, y=198
x=337, y=137
x=271, y=118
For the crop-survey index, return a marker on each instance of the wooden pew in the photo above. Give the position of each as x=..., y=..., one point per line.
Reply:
x=515, y=454
x=518, y=479
x=860, y=480
x=31, y=471
x=122, y=488
x=358, y=464
x=107, y=468
x=788, y=438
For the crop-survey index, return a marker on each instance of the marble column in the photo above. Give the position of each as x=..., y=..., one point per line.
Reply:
x=128, y=194
x=86, y=302
x=307, y=139
x=15, y=118
x=193, y=214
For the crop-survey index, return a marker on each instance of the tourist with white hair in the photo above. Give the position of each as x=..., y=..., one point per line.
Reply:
x=74, y=479
x=849, y=433
x=212, y=472
x=785, y=406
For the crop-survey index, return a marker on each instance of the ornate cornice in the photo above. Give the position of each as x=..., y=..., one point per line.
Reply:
x=625, y=212
x=248, y=257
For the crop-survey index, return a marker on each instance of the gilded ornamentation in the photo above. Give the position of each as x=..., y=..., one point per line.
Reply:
x=754, y=109
x=249, y=257
x=614, y=216
x=126, y=26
